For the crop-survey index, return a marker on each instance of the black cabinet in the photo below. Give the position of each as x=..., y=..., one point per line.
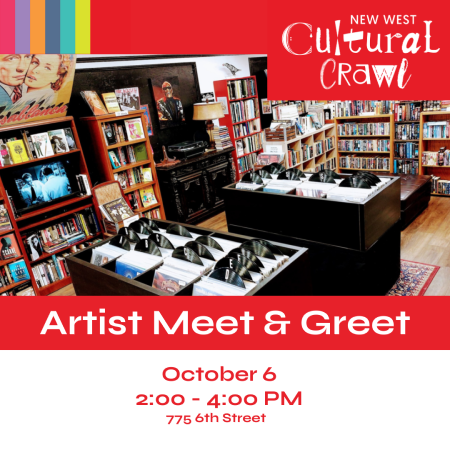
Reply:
x=192, y=190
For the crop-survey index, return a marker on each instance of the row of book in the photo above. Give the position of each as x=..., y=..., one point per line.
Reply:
x=23, y=290
x=364, y=145
x=130, y=130
x=222, y=138
x=364, y=129
x=293, y=157
x=244, y=110
x=308, y=152
x=119, y=100
x=330, y=164
x=441, y=158
x=436, y=130
x=248, y=144
x=407, y=111
x=407, y=131
x=246, y=162
x=143, y=198
x=241, y=88
x=131, y=154
x=405, y=166
x=440, y=186
x=357, y=162
x=13, y=273
x=5, y=221
x=51, y=270
x=318, y=148
x=154, y=213
x=17, y=150
x=244, y=129
x=63, y=234
x=348, y=108
x=133, y=176
x=329, y=143
x=406, y=150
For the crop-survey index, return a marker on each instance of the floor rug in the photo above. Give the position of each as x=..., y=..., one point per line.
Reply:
x=415, y=278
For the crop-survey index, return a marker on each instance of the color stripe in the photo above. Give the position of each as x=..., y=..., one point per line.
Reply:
x=52, y=26
x=37, y=26
x=83, y=27
x=67, y=26
x=7, y=22
x=22, y=26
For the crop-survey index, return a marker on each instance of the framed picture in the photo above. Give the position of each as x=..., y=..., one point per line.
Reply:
x=148, y=121
x=266, y=106
x=166, y=91
x=128, y=99
x=223, y=100
x=208, y=96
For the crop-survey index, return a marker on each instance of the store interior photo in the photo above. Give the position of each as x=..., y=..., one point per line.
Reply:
x=176, y=175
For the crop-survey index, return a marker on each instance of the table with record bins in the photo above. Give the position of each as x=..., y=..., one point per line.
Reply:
x=354, y=248
x=89, y=279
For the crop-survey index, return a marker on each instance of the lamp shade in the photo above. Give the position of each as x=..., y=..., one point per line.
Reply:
x=208, y=111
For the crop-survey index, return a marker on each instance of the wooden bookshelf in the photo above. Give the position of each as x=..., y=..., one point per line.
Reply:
x=327, y=159
x=376, y=118
x=397, y=121
x=221, y=90
x=25, y=223
x=104, y=167
x=433, y=145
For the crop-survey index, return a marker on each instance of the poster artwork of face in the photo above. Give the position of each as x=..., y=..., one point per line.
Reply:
x=168, y=104
x=33, y=84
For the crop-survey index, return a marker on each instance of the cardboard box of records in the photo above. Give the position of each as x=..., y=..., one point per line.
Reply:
x=159, y=257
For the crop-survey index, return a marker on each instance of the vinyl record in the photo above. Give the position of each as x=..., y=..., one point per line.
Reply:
x=369, y=176
x=264, y=174
x=161, y=241
x=141, y=227
x=151, y=223
x=121, y=241
x=355, y=182
x=178, y=230
x=273, y=248
x=210, y=242
x=258, y=249
x=251, y=177
x=130, y=234
x=321, y=177
x=147, y=246
x=274, y=168
x=235, y=266
x=364, y=177
x=247, y=263
x=187, y=254
x=227, y=276
x=291, y=174
x=200, y=249
x=247, y=254
x=332, y=174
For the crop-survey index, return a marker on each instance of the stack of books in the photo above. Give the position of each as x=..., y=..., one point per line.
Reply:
x=5, y=222
x=222, y=138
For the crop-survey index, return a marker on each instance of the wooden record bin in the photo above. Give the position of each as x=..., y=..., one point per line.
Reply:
x=104, y=168
x=354, y=248
x=46, y=215
x=89, y=279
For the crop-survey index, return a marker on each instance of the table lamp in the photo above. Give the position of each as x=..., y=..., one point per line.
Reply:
x=208, y=111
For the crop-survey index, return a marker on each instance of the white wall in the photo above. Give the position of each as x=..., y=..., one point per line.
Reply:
x=209, y=68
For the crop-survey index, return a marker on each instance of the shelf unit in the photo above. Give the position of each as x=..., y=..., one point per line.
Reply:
x=433, y=145
x=314, y=163
x=400, y=162
x=107, y=173
x=38, y=219
x=221, y=90
x=388, y=118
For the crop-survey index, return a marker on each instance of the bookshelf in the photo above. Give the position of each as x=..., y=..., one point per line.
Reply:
x=403, y=117
x=433, y=145
x=243, y=163
x=376, y=118
x=26, y=223
x=313, y=160
x=104, y=167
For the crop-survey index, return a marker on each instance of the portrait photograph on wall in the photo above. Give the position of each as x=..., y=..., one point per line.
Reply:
x=32, y=83
x=168, y=103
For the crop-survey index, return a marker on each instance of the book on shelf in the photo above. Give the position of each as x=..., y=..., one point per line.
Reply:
x=5, y=221
x=147, y=175
x=406, y=167
x=51, y=270
x=58, y=141
x=114, y=160
x=241, y=88
x=42, y=144
x=358, y=162
x=349, y=108
x=436, y=130
x=440, y=186
x=140, y=152
x=5, y=157
x=94, y=102
x=17, y=151
x=23, y=290
x=364, y=129
x=222, y=137
x=9, y=247
x=148, y=197
x=111, y=103
x=154, y=213
x=128, y=98
x=406, y=150
x=70, y=138
x=244, y=110
x=407, y=111
x=441, y=158
x=18, y=271
x=134, y=129
x=407, y=131
x=117, y=210
x=364, y=145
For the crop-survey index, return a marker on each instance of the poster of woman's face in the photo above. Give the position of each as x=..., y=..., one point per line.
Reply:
x=35, y=81
x=168, y=103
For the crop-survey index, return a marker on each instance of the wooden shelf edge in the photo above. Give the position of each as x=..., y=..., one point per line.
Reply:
x=125, y=143
x=34, y=160
x=146, y=208
x=131, y=166
x=12, y=286
x=136, y=187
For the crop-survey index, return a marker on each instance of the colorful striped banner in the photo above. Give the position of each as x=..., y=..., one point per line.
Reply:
x=45, y=26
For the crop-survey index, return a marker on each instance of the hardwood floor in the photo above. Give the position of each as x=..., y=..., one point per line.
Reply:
x=426, y=240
